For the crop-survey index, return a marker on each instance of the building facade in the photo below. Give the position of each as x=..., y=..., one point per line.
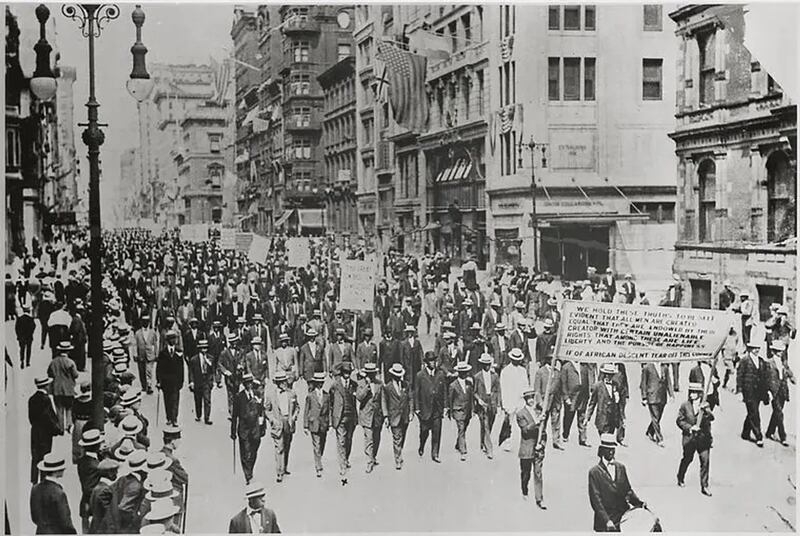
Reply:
x=591, y=134
x=280, y=52
x=736, y=143
x=130, y=167
x=339, y=143
x=67, y=196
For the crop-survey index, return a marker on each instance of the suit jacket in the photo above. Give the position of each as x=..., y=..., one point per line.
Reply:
x=448, y=360
x=412, y=358
x=545, y=374
x=610, y=499
x=311, y=362
x=258, y=367
x=337, y=354
x=274, y=415
x=338, y=394
x=89, y=477
x=396, y=406
x=131, y=492
x=190, y=342
x=530, y=430
x=370, y=409
x=688, y=418
x=779, y=387
x=43, y=420
x=247, y=415
x=317, y=415
x=607, y=406
x=64, y=373
x=621, y=381
x=180, y=478
x=751, y=381
x=500, y=355
x=460, y=400
x=196, y=375
x=365, y=353
x=146, y=345
x=103, y=507
x=655, y=389
x=169, y=370
x=240, y=524
x=50, y=509
x=430, y=394
x=489, y=398
x=24, y=327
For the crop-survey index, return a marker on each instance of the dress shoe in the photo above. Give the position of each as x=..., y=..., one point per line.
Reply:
x=524, y=497
x=681, y=483
x=541, y=505
x=463, y=457
x=772, y=437
x=437, y=460
x=705, y=492
x=489, y=456
x=209, y=422
x=287, y=472
x=279, y=479
x=420, y=452
x=398, y=466
x=558, y=446
x=348, y=465
x=784, y=443
x=660, y=444
x=369, y=468
x=584, y=444
x=622, y=443
x=760, y=443
x=197, y=419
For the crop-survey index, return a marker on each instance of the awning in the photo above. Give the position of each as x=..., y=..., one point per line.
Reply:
x=285, y=216
x=431, y=226
x=458, y=170
x=311, y=217
x=602, y=218
x=242, y=158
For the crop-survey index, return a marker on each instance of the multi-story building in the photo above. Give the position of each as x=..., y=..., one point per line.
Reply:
x=31, y=139
x=130, y=167
x=602, y=162
x=736, y=143
x=339, y=143
x=280, y=51
x=67, y=166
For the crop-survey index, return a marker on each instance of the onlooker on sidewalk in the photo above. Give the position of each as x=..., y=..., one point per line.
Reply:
x=64, y=373
x=24, y=328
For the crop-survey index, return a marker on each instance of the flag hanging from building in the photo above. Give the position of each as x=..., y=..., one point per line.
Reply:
x=381, y=84
x=506, y=48
x=406, y=74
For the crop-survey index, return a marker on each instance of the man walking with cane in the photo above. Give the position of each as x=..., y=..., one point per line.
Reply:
x=146, y=353
x=248, y=423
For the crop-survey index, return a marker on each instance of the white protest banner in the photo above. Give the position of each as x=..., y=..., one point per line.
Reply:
x=259, y=248
x=299, y=252
x=227, y=239
x=599, y=332
x=243, y=241
x=200, y=232
x=357, y=288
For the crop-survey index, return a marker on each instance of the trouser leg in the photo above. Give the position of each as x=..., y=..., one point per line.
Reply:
x=538, y=483
x=461, y=441
x=244, y=457
x=142, y=368
x=348, y=444
x=555, y=422
x=705, y=460
x=525, y=466
x=316, y=445
x=279, y=445
x=198, y=403
x=151, y=373
x=287, y=446
x=398, y=439
x=376, y=440
x=230, y=389
x=676, y=376
x=569, y=417
x=581, y=417
x=655, y=421
x=487, y=422
x=686, y=460
x=424, y=431
x=341, y=448
x=436, y=436
x=621, y=430
x=207, y=401
x=781, y=428
x=368, y=446
x=754, y=418
x=43, y=325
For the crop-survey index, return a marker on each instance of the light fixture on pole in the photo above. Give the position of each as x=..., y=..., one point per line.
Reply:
x=532, y=146
x=140, y=85
x=43, y=82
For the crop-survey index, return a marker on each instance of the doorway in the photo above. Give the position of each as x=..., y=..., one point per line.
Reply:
x=567, y=250
x=701, y=293
x=767, y=295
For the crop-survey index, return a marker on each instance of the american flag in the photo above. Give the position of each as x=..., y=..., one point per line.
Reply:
x=406, y=74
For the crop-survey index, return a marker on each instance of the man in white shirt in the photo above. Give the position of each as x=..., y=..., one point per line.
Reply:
x=513, y=382
x=282, y=411
x=256, y=518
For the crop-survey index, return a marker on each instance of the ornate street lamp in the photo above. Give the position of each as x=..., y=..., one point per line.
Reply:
x=532, y=146
x=140, y=85
x=43, y=83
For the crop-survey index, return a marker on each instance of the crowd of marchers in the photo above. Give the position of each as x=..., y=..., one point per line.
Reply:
x=182, y=319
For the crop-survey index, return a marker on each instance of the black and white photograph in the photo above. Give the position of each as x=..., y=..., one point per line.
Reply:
x=400, y=268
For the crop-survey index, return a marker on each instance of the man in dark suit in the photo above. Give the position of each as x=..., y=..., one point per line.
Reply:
x=256, y=518
x=131, y=492
x=190, y=337
x=694, y=420
x=201, y=381
x=389, y=352
x=656, y=387
x=370, y=411
x=383, y=306
x=256, y=361
x=621, y=381
x=778, y=377
x=396, y=404
x=576, y=381
x=343, y=415
x=486, y=383
x=44, y=424
x=88, y=474
x=340, y=349
x=411, y=354
x=103, y=500
x=49, y=505
x=312, y=356
x=231, y=365
x=610, y=492
x=248, y=422
x=366, y=352
x=751, y=381
x=449, y=355
x=545, y=343
x=531, y=446
x=169, y=375
x=499, y=346
x=698, y=375
x=430, y=398
x=24, y=327
x=459, y=404
x=629, y=289
x=317, y=417
x=605, y=397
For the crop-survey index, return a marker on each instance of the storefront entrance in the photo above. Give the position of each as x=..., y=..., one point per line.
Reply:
x=567, y=250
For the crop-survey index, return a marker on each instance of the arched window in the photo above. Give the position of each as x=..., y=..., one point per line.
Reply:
x=781, y=198
x=707, y=182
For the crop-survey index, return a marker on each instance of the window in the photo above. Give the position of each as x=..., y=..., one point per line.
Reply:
x=344, y=50
x=707, y=45
x=572, y=17
x=465, y=94
x=707, y=183
x=481, y=94
x=368, y=126
x=553, y=68
x=302, y=149
x=466, y=23
x=301, y=84
x=572, y=78
x=452, y=30
x=385, y=115
x=213, y=142
x=658, y=212
x=781, y=196
x=440, y=105
x=554, y=17
x=651, y=78
x=13, y=148
x=588, y=79
x=301, y=116
x=507, y=77
x=409, y=185
x=652, y=17
x=588, y=18
x=300, y=51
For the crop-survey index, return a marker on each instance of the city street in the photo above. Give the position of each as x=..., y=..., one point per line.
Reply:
x=752, y=487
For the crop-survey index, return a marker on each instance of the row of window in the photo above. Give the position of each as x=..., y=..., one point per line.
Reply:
x=340, y=129
x=454, y=103
x=465, y=31
x=577, y=18
x=574, y=79
x=336, y=163
x=409, y=174
x=343, y=93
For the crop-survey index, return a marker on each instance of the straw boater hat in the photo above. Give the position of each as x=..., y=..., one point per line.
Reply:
x=162, y=510
x=447, y=324
x=171, y=432
x=241, y=320
x=410, y=329
x=254, y=490
x=280, y=376
x=608, y=368
x=233, y=337
x=397, y=370
x=548, y=323
x=153, y=528
x=64, y=347
x=528, y=393
x=107, y=465
x=130, y=425
x=90, y=438
x=318, y=377
x=752, y=343
x=157, y=460
x=519, y=305
x=779, y=346
x=283, y=337
x=130, y=397
x=695, y=386
x=159, y=485
x=43, y=381
x=499, y=327
x=311, y=332
x=136, y=460
x=475, y=326
x=370, y=368
x=255, y=341
x=515, y=354
x=247, y=377
x=202, y=344
x=52, y=463
x=485, y=359
x=463, y=367
x=608, y=441
x=124, y=451
x=447, y=335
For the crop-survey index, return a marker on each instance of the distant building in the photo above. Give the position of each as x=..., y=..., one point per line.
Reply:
x=67, y=195
x=736, y=141
x=130, y=167
x=339, y=143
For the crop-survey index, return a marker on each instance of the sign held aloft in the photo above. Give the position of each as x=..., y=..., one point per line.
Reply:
x=599, y=332
x=357, y=289
x=298, y=252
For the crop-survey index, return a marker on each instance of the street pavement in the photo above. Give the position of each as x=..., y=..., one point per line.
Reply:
x=752, y=487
